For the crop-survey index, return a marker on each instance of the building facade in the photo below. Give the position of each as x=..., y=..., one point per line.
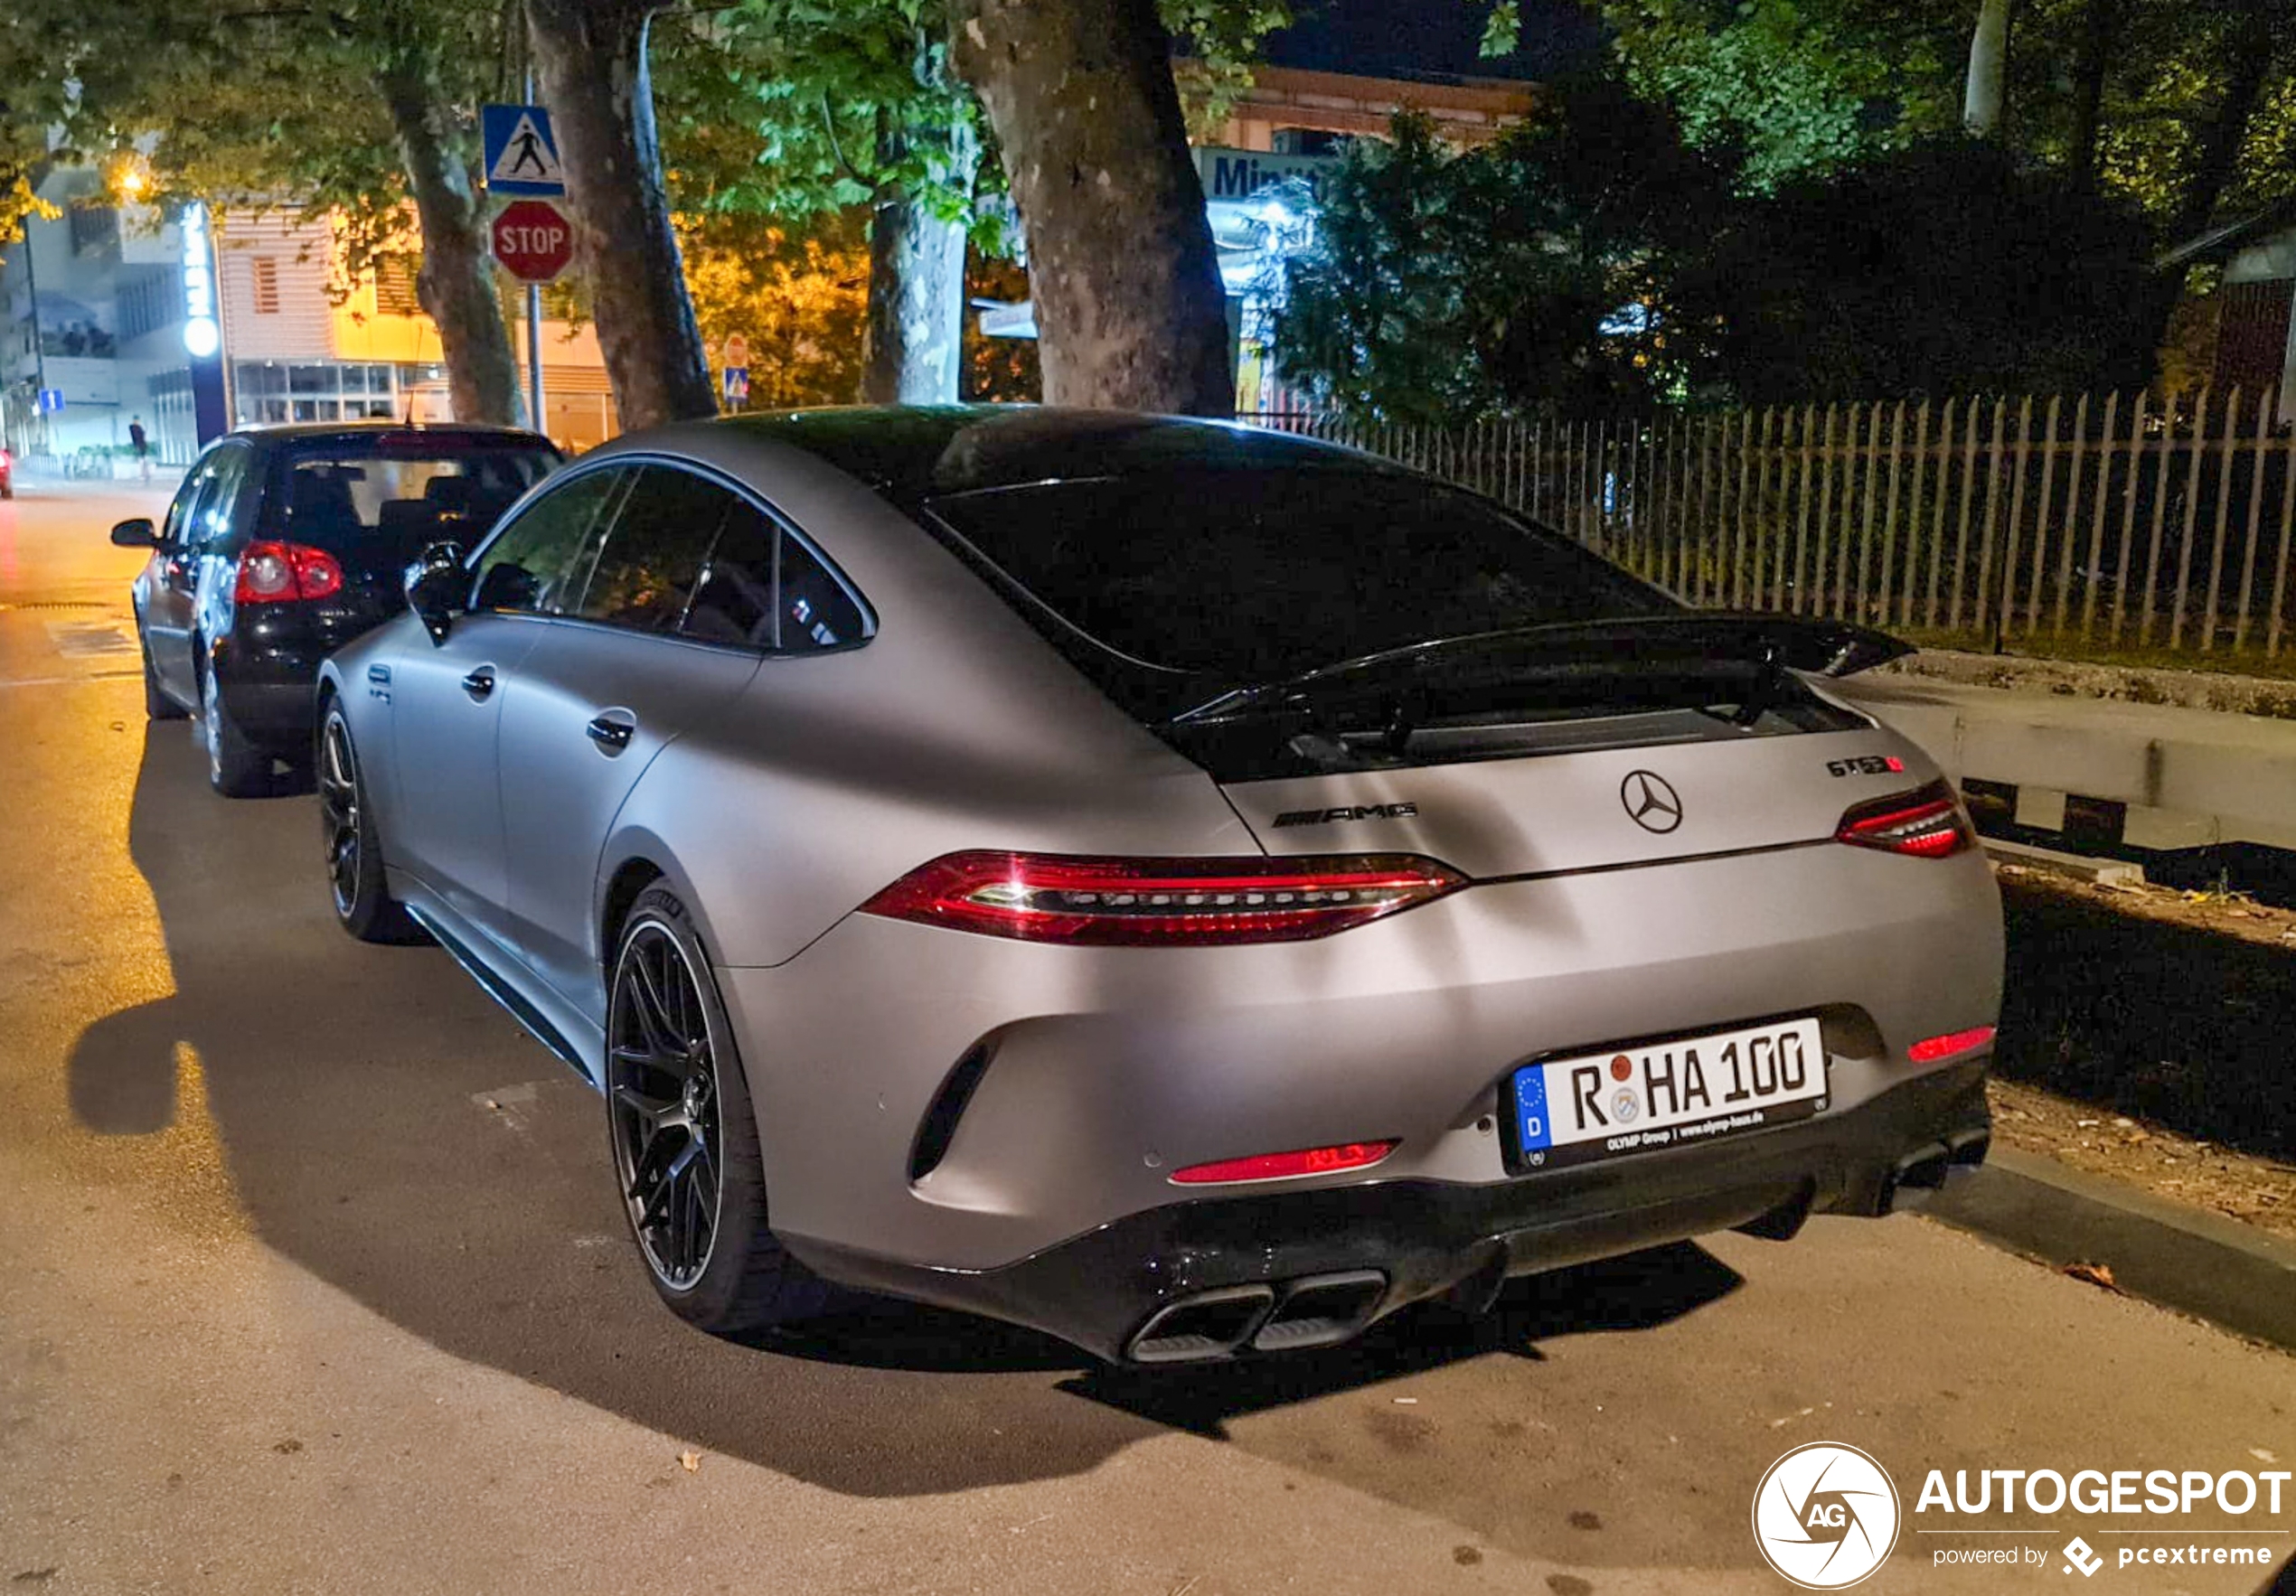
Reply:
x=94, y=305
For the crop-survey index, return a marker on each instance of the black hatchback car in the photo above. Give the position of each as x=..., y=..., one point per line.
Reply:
x=284, y=544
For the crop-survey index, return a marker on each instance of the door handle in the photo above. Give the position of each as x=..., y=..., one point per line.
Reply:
x=479, y=684
x=611, y=736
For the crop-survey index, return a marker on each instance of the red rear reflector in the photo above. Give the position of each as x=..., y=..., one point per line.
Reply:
x=275, y=573
x=1284, y=1166
x=1950, y=1042
x=1925, y=824
x=1160, y=902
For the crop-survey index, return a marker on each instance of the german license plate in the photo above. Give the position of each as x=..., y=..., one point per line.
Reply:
x=1671, y=1094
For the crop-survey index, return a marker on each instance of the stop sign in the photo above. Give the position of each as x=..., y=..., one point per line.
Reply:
x=533, y=241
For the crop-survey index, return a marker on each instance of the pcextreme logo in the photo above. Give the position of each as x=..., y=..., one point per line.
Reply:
x=1826, y=1516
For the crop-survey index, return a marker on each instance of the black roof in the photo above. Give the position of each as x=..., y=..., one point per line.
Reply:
x=914, y=453
x=450, y=432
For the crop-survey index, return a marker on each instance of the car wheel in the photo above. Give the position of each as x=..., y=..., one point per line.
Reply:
x=157, y=705
x=235, y=768
x=684, y=1139
x=364, y=905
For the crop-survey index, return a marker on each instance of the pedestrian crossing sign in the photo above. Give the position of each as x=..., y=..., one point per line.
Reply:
x=522, y=154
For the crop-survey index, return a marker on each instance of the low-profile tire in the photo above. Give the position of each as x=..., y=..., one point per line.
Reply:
x=235, y=766
x=364, y=905
x=157, y=705
x=683, y=1138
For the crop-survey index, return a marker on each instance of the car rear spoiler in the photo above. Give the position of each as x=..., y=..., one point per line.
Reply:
x=1685, y=644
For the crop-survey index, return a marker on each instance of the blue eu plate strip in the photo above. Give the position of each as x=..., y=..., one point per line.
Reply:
x=1531, y=1108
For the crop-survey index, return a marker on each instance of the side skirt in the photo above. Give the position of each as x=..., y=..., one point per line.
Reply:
x=500, y=988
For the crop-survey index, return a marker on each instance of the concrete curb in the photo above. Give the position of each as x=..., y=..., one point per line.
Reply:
x=2223, y=691
x=2077, y=867
x=2179, y=1257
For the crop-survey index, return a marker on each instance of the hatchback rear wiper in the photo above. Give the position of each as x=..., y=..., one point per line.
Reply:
x=1748, y=652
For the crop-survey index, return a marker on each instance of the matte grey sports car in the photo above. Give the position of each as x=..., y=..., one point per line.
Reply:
x=1190, y=889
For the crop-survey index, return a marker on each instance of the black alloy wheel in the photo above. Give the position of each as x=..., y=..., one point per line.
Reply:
x=662, y=1083
x=340, y=813
x=684, y=1136
x=364, y=905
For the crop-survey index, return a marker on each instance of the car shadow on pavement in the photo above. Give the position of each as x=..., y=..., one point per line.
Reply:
x=387, y=1129
x=1638, y=1293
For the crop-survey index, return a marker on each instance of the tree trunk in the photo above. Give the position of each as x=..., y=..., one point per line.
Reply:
x=1129, y=307
x=2246, y=65
x=2092, y=57
x=590, y=56
x=455, y=285
x=915, y=303
x=1988, y=70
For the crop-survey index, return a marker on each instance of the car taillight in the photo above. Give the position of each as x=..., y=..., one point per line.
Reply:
x=274, y=573
x=1284, y=1166
x=1925, y=824
x=1932, y=1048
x=1160, y=902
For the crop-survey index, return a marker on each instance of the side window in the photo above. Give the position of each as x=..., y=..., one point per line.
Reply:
x=733, y=602
x=542, y=560
x=762, y=587
x=652, y=558
x=183, y=513
x=815, y=612
x=212, y=523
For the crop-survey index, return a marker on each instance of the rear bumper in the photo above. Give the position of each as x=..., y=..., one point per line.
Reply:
x=1422, y=1238
x=274, y=716
x=268, y=670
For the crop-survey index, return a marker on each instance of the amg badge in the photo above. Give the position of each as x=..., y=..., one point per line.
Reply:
x=1360, y=811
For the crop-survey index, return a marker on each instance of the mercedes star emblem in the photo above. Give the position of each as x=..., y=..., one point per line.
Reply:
x=1649, y=802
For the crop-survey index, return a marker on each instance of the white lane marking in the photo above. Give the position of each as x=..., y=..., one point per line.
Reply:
x=81, y=639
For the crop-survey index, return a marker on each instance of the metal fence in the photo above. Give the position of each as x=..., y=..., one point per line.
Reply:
x=2074, y=522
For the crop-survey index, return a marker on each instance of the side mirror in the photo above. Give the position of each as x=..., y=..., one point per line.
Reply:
x=438, y=589
x=138, y=533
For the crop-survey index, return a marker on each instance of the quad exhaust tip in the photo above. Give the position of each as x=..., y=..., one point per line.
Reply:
x=1289, y=1316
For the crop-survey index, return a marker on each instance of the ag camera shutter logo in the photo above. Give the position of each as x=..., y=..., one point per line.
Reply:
x=1826, y=1516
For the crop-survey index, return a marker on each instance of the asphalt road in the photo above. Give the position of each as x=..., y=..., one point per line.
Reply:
x=312, y=1280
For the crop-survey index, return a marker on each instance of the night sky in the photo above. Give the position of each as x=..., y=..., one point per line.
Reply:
x=1391, y=36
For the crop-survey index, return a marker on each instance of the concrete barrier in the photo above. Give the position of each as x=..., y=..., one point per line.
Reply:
x=2187, y=777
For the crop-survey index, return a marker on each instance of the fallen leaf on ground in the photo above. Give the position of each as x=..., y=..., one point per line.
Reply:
x=690, y=1462
x=2096, y=1274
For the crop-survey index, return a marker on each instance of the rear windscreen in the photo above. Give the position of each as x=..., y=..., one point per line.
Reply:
x=1258, y=575
x=389, y=498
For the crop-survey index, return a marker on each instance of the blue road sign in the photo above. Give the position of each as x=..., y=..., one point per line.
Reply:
x=51, y=401
x=522, y=154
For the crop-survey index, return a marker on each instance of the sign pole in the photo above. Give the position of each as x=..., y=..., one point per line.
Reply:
x=539, y=416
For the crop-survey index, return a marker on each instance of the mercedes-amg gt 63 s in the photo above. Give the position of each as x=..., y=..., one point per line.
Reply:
x=1192, y=890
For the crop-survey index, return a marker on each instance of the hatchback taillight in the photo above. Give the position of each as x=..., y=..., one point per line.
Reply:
x=1160, y=902
x=275, y=573
x=1925, y=824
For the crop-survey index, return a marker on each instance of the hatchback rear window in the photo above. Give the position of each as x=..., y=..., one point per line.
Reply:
x=1255, y=575
x=393, y=496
